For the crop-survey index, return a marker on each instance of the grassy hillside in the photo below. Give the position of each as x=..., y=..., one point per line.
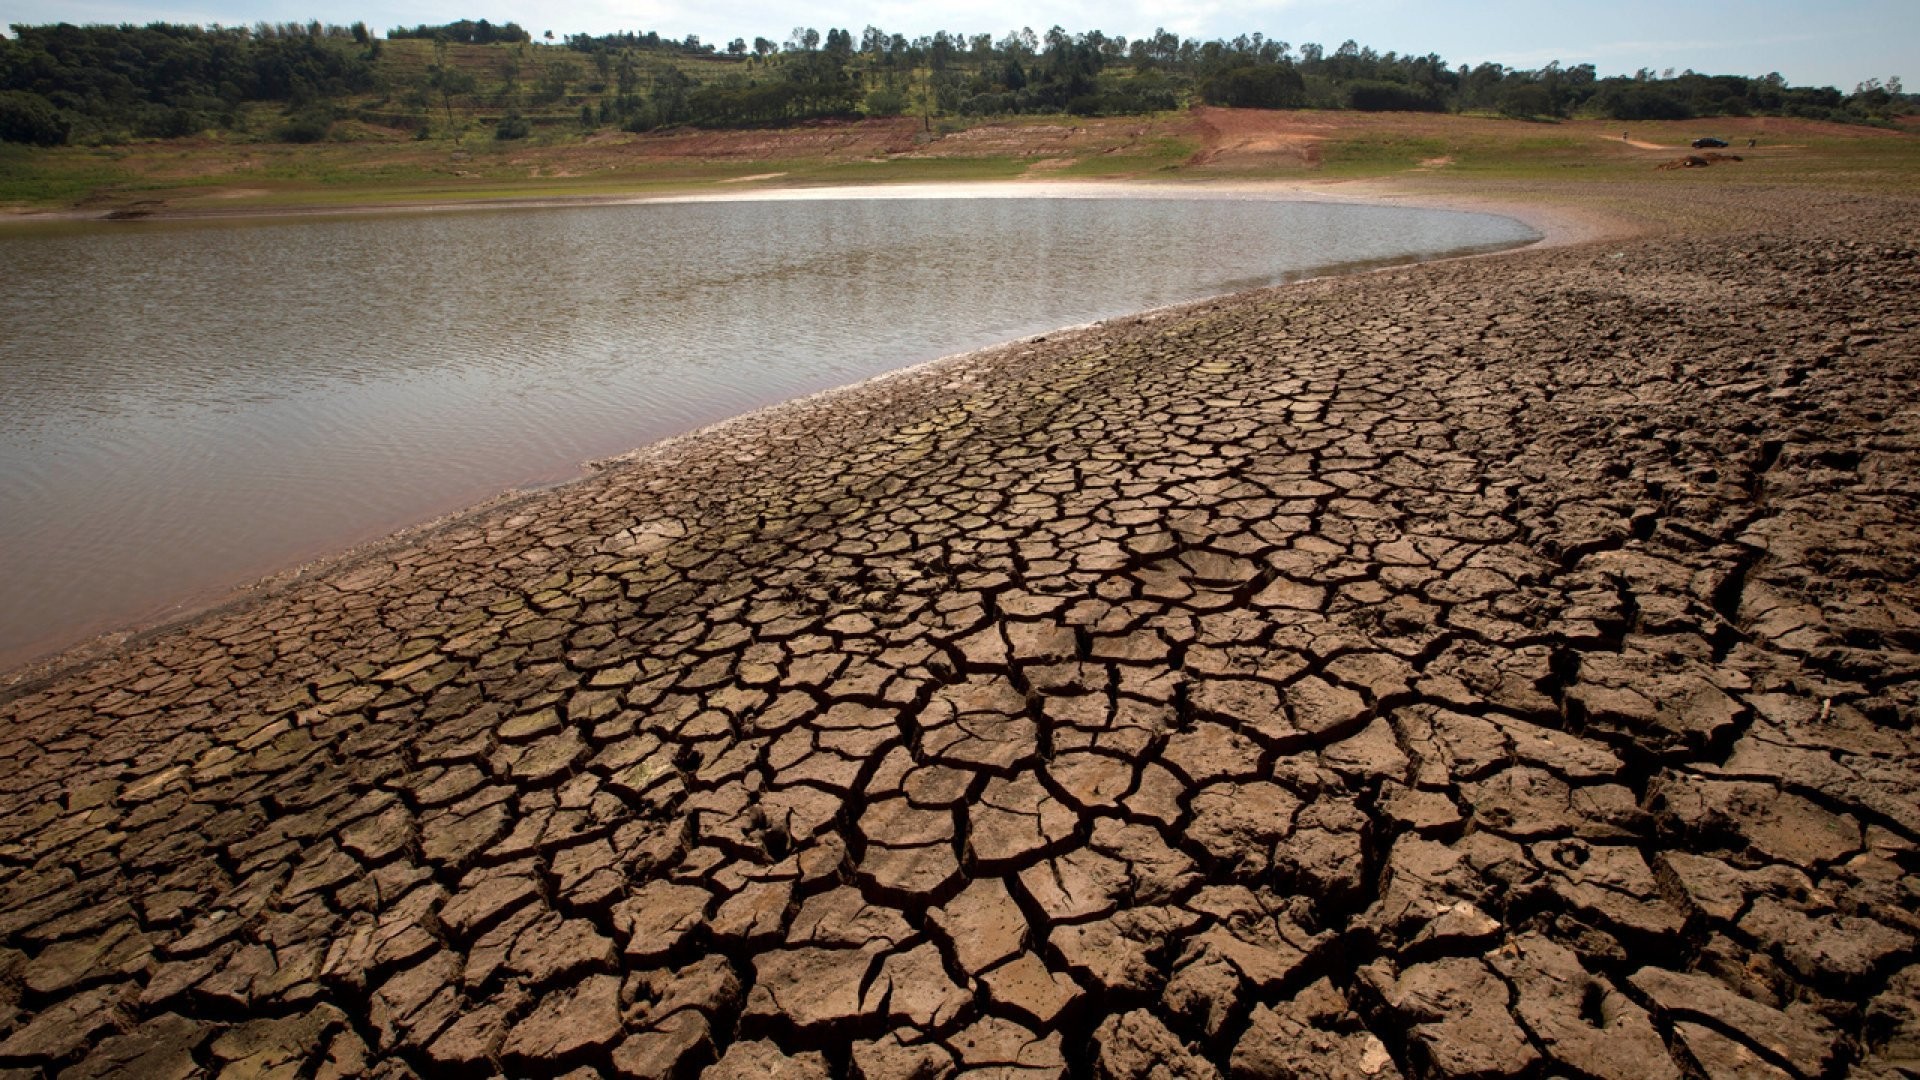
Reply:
x=389, y=167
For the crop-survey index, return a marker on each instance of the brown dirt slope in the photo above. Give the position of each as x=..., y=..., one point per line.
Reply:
x=842, y=141
x=1253, y=137
x=1501, y=668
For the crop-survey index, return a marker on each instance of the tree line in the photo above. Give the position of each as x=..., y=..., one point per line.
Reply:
x=106, y=82
x=465, y=31
x=163, y=80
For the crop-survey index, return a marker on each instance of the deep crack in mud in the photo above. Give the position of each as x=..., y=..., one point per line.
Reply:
x=1503, y=668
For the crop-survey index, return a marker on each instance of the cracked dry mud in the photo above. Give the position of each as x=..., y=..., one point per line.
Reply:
x=1501, y=668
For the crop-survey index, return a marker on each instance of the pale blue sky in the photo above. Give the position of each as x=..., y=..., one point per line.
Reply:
x=1836, y=42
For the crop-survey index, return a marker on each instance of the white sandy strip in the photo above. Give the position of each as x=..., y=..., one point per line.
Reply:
x=1012, y=189
x=1558, y=225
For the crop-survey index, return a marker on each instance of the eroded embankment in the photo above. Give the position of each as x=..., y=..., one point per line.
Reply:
x=1496, y=668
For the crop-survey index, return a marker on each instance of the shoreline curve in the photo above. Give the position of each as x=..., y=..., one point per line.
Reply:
x=1557, y=226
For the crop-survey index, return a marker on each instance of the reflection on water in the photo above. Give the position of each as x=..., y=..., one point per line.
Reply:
x=184, y=408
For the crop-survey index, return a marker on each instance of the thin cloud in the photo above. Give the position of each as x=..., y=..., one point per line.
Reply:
x=1630, y=49
x=1837, y=46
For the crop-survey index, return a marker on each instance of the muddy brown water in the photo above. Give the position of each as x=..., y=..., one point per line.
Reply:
x=187, y=407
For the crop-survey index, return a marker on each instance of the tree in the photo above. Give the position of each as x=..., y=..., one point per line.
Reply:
x=1255, y=86
x=510, y=74
x=626, y=76
x=1526, y=101
x=941, y=51
x=466, y=32
x=1874, y=98
x=555, y=74
x=447, y=80
x=1479, y=87
x=1629, y=100
x=669, y=98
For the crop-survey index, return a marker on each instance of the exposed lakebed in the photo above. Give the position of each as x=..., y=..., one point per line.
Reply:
x=185, y=407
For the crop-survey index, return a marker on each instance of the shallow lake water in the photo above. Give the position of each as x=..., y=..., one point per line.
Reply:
x=186, y=407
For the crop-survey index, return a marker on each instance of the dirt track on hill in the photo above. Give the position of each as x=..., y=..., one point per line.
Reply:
x=1492, y=668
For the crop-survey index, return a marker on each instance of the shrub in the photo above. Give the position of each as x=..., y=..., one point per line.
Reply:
x=1369, y=95
x=306, y=126
x=1124, y=100
x=1526, y=101
x=987, y=105
x=512, y=126
x=1643, y=104
x=885, y=102
x=160, y=122
x=29, y=118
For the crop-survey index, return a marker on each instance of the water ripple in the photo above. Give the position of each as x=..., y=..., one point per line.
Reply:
x=185, y=407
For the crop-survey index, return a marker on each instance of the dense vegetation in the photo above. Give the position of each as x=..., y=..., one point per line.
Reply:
x=164, y=80
x=298, y=81
x=466, y=32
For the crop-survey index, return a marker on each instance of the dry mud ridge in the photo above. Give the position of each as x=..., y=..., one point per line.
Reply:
x=1490, y=669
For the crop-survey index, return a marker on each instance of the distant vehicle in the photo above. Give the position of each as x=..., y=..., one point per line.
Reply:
x=1709, y=144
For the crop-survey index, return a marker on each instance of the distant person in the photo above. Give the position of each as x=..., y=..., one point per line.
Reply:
x=1623, y=136
x=1751, y=143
